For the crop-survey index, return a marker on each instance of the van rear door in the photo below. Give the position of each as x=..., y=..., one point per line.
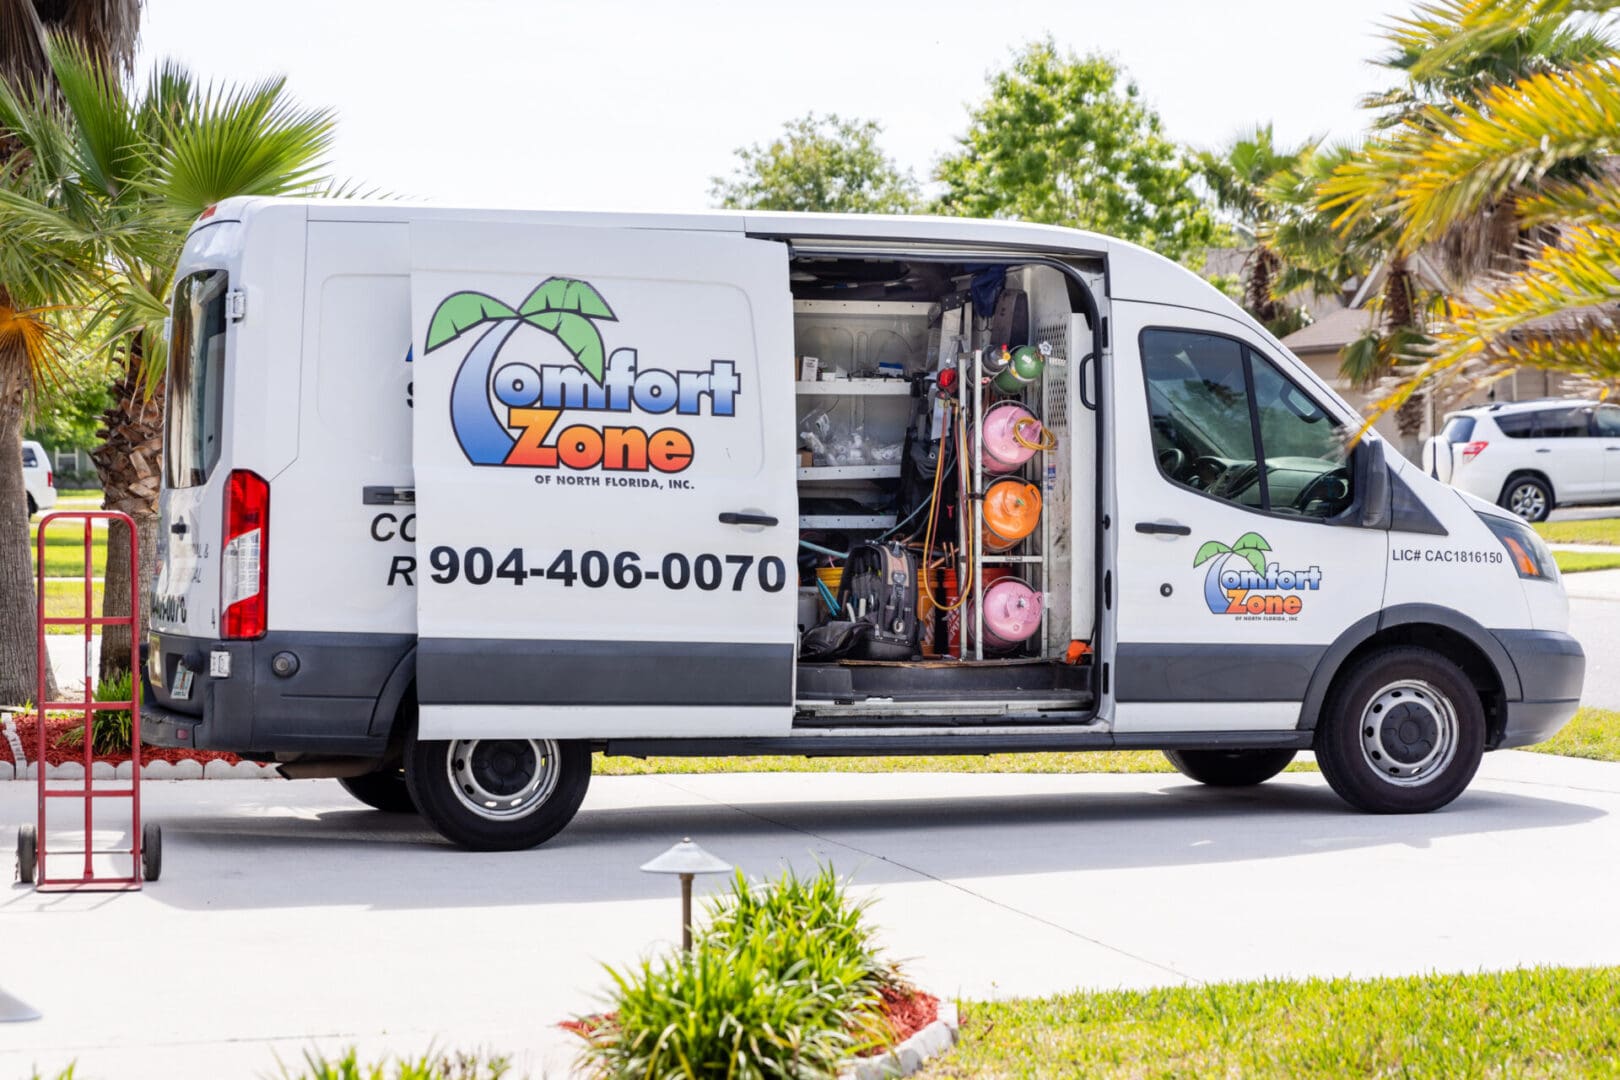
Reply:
x=603, y=457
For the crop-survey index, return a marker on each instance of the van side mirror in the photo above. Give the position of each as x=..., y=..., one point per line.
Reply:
x=1372, y=481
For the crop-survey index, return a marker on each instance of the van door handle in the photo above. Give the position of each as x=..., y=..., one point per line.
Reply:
x=730, y=517
x=178, y=528
x=379, y=495
x=1161, y=528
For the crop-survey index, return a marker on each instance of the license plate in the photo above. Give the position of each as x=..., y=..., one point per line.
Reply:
x=182, y=683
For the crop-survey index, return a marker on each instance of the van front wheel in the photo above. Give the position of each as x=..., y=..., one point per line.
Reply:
x=1230, y=768
x=1402, y=733
x=497, y=794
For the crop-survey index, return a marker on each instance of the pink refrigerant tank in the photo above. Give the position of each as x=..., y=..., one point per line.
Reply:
x=1012, y=614
x=1003, y=423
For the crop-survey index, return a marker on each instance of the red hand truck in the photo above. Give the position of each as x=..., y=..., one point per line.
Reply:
x=146, y=843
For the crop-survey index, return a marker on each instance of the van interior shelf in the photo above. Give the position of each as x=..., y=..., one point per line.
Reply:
x=848, y=521
x=848, y=472
x=896, y=387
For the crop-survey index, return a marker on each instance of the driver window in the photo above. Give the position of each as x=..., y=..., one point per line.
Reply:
x=1199, y=404
x=1228, y=424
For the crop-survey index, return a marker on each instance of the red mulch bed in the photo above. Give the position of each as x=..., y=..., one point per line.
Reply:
x=906, y=1013
x=55, y=727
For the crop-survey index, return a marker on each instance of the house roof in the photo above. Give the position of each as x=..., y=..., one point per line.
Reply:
x=1331, y=332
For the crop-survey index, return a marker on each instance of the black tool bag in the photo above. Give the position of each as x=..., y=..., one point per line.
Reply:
x=879, y=590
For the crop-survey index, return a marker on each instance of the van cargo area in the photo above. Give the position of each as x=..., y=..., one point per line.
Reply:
x=937, y=450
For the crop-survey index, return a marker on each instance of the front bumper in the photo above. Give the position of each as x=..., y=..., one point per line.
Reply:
x=1551, y=668
x=341, y=700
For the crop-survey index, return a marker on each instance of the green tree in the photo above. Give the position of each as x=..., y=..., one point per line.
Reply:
x=119, y=174
x=33, y=286
x=1241, y=178
x=1068, y=140
x=825, y=164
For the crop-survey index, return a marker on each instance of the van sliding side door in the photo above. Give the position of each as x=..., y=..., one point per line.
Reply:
x=603, y=455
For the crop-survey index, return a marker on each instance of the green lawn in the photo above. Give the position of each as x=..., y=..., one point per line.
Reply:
x=1573, y=562
x=65, y=600
x=1542, y=1022
x=1598, y=531
x=1594, y=733
x=64, y=550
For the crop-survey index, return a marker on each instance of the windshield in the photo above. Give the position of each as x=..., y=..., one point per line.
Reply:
x=196, y=378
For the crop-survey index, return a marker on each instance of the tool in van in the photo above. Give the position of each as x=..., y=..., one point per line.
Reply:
x=1025, y=366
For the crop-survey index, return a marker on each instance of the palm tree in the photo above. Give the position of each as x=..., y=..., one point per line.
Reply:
x=1558, y=309
x=31, y=286
x=1452, y=55
x=137, y=169
x=1240, y=177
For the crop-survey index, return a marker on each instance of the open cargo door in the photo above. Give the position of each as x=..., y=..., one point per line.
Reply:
x=603, y=451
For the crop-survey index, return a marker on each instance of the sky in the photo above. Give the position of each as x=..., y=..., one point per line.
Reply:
x=616, y=104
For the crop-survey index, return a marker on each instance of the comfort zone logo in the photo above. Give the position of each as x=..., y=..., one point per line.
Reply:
x=1242, y=581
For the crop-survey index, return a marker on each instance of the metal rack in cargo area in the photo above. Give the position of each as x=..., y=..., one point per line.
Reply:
x=970, y=373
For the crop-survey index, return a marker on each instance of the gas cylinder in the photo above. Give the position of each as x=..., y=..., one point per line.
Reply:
x=1012, y=509
x=1012, y=435
x=1025, y=365
x=1012, y=614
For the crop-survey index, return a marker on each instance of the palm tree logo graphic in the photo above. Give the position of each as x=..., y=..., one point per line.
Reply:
x=562, y=307
x=1250, y=547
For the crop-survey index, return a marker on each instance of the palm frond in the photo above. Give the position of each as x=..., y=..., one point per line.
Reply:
x=1572, y=202
x=109, y=146
x=1434, y=173
x=250, y=140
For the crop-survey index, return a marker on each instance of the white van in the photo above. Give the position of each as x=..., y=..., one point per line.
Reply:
x=454, y=498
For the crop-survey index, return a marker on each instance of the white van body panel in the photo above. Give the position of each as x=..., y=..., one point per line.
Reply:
x=1467, y=570
x=652, y=602
x=334, y=392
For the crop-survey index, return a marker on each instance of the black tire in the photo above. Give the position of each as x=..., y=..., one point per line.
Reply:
x=546, y=778
x=33, y=507
x=1528, y=497
x=1402, y=732
x=151, y=850
x=385, y=791
x=27, y=854
x=1230, y=768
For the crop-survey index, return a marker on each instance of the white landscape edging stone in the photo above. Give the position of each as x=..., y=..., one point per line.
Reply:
x=913, y=1053
x=152, y=770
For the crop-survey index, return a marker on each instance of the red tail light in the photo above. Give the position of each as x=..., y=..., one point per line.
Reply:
x=50, y=478
x=1472, y=450
x=244, y=569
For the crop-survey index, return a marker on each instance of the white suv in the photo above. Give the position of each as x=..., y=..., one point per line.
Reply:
x=1529, y=456
x=38, y=478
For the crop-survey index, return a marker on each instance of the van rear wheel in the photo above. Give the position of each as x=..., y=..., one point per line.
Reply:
x=385, y=790
x=1402, y=733
x=497, y=794
x=1230, y=768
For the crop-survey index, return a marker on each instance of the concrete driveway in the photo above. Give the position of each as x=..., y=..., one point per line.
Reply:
x=289, y=916
x=1594, y=619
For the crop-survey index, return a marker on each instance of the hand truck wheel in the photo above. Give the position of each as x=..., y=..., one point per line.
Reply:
x=27, y=854
x=151, y=850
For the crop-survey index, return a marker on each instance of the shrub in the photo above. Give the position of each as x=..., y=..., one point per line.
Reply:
x=111, y=731
x=783, y=984
x=726, y=1012
x=811, y=919
x=430, y=1066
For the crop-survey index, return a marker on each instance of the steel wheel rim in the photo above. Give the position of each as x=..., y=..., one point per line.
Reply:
x=1409, y=733
x=1528, y=502
x=502, y=779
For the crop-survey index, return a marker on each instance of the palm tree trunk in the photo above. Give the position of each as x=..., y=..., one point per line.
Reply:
x=129, y=462
x=19, y=671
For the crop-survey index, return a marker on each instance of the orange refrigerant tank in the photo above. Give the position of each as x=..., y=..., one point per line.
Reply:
x=1012, y=510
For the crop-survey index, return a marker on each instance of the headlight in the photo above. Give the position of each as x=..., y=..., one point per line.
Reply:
x=1527, y=552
